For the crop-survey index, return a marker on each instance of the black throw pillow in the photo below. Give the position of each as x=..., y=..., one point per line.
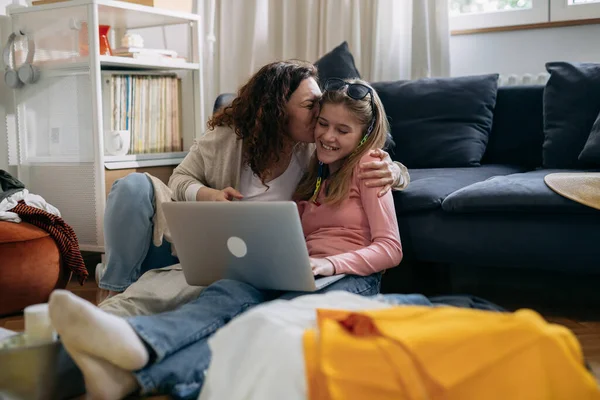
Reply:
x=571, y=105
x=440, y=122
x=338, y=63
x=590, y=155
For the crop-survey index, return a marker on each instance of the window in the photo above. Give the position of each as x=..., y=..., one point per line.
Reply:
x=568, y=10
x=462, y=7
x=478, y=14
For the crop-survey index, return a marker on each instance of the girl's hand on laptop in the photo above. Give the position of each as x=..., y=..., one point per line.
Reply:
x=382, y=173
x=227, y=194
x=322, y=267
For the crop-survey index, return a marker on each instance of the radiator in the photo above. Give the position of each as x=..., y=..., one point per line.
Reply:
x=524, y=79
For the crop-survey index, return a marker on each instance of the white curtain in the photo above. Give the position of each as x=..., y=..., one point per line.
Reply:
x=390, y=39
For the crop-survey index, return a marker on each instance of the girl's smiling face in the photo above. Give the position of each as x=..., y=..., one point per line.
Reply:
x=337, y=134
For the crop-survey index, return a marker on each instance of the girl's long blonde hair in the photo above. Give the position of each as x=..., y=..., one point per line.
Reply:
x=339, y=183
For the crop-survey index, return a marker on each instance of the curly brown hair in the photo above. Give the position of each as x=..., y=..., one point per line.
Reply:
x=258, y=114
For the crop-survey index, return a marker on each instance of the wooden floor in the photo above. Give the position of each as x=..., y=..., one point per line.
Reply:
x=588, y=332
x=87, y=291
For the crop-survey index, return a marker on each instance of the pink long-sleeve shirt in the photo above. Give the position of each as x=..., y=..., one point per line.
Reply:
x=360, y=236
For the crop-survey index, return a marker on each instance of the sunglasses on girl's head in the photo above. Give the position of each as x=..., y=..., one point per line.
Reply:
x=356, y=91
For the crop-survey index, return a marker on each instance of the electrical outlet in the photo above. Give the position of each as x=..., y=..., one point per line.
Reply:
x=54, y=145
x=55, y=136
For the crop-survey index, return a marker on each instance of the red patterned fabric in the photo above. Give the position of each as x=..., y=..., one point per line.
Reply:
x=63, y=235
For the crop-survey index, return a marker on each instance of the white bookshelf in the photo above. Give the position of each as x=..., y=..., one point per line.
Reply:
x=62, y=118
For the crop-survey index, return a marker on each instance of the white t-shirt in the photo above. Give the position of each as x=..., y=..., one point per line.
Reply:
x=280, y=189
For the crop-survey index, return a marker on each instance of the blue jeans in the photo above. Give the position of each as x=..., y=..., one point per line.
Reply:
x=178, y=340
x=459, y=301
x=128, y=234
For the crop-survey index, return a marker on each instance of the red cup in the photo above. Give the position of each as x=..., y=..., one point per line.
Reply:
x=105, y=49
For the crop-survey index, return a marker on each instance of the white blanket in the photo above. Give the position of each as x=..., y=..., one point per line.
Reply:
x=30, y=199
x=260, y=354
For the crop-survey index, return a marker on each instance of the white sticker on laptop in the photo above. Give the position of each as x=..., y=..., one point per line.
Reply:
x=237, y=246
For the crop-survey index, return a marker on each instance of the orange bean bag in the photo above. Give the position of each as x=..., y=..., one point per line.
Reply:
x=30, y=267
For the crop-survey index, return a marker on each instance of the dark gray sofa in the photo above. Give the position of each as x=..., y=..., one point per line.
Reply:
x=500, y=213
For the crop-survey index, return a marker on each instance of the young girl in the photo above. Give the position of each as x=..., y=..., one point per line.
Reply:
x=348, y=230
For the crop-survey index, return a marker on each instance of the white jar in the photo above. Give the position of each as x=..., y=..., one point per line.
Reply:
x=38, y=328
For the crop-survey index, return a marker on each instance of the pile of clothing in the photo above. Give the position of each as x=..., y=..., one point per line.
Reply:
x=17, y=205
x=342, y=346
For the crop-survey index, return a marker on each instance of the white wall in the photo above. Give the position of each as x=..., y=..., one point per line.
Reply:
x=520, y=52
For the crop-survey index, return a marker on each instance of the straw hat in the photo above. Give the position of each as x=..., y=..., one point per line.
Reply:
x=582, y=187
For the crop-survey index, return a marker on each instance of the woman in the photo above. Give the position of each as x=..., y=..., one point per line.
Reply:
x=256, y=149
x=348, y=229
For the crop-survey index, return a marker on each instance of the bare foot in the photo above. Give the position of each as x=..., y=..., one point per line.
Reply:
x=85, y=328
x=103, y=380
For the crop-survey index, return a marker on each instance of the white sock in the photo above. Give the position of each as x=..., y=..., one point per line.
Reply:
x=85, y=328
x=103, y=380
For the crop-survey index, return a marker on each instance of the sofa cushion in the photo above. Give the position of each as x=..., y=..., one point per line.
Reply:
x=591, y=151
x=442, y=122
x=518, y=127
x=523, y=192
x=338, y=63
x=571, y=105
x=429, y=187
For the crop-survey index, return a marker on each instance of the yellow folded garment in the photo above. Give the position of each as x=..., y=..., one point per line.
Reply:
x=448, y=353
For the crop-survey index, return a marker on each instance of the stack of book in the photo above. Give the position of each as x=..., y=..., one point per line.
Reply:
x=149, y=107
x=149, y=55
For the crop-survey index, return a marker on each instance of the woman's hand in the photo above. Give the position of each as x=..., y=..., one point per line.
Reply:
x=322, y=266
x=384, y=173
x=227, y=194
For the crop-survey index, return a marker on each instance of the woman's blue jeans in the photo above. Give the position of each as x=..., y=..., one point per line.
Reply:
x=128, y=234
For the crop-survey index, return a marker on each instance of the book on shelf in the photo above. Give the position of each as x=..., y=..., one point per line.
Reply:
x=149, y=107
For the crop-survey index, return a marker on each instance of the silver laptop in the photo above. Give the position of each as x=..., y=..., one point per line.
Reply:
x=259, y=243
